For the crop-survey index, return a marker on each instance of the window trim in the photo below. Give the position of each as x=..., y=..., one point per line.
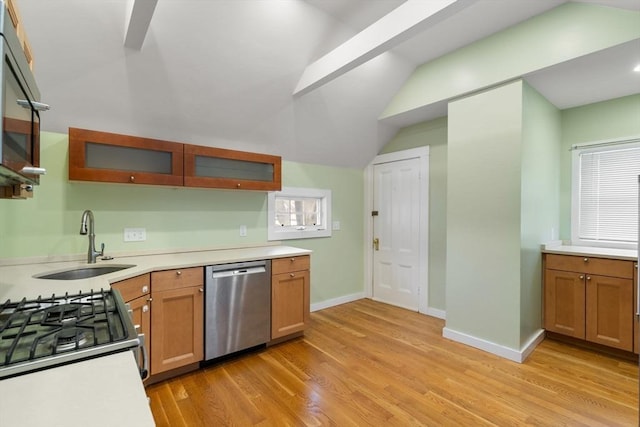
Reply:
x=277, y=233
x=576, y=150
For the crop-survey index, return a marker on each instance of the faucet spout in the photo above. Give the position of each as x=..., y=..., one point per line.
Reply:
x=92, y=254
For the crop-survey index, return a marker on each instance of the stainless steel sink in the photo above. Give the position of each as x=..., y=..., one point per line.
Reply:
x=84, y=272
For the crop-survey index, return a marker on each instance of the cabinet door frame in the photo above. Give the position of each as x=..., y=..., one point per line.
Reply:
x=290, y=303
x=576, y=326
x=604, y=314
x=192, y=180
x=161, y=328
x=78, y=170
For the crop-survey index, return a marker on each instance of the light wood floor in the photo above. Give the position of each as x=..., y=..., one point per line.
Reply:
x=366, y=363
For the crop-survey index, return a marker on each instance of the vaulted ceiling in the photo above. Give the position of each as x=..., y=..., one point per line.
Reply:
x=223, y=72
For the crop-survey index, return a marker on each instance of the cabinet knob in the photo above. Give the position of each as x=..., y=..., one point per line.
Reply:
x=150, y=299
x=178, y=273
x=586, y=260
x=132, y=178
x=581, y=277
x=588, y=277
x=238, y=185
x=292, y=275
x=145, y=308
x=293, y=259
x=201, y=290
x=145, y=289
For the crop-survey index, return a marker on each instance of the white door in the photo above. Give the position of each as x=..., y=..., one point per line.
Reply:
x=396, y=232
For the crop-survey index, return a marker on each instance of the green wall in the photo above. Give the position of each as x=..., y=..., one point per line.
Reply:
x=180, y=218
x=483, y=215
x=530, y=46
x=540, y=202
x=434, y=134
x=609, y=120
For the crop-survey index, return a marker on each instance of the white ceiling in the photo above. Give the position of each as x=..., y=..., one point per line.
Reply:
x=222, y=72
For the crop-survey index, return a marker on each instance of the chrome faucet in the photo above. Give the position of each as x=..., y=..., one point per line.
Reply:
x=92, y=254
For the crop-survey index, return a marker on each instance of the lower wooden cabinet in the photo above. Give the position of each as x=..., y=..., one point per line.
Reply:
x=609, y=314
x=136, y=292
x=564, y=303
x=636, y=323
x=593, y=307
x=177, y=320
x=290, y=299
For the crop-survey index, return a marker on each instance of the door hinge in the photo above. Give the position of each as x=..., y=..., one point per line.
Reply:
x=374, y=213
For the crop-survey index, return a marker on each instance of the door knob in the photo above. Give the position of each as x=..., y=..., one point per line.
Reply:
x=376, y=244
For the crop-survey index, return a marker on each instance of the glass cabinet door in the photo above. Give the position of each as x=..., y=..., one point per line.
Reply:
x=221, y=168
x=108, y=157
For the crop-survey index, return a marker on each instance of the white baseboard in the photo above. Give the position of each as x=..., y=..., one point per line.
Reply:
x=518, y=356
x=337, y=301
x=436, y=312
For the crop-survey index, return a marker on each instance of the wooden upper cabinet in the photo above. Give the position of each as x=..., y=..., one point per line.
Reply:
x=110, y=157
x=221, y=168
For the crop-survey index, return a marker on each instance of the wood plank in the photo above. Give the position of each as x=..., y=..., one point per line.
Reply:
x=367, y=363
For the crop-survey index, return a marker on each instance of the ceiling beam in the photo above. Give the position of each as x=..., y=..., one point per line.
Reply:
x=399, y=25
x=141, y=12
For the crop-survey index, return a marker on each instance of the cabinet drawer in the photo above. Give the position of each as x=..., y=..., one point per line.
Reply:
x=285, y=265
x=178, y=278
x=133, y=288
x=600, y=266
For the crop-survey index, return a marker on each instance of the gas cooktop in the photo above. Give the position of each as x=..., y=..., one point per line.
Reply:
x=45, y=332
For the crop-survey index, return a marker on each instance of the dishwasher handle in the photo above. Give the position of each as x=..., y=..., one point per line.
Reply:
x=238, y=272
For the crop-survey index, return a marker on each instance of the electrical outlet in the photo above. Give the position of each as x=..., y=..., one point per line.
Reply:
x=135, y=234
x=243, y=231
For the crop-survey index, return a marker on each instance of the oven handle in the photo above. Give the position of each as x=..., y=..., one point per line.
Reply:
x=144, y=372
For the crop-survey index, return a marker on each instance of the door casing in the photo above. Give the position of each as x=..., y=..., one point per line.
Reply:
x=423, y=154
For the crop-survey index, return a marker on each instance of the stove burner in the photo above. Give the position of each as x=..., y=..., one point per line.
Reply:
x=63, y=313
x=70, y=338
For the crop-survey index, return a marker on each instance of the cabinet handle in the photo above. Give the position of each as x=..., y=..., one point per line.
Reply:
x=132, y=178
x=586, y=260
x=581, y=277
x=178, y=273
x=292, y=275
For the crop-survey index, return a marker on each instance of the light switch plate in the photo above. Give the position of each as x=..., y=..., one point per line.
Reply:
x=243, y=231
x=336, y=225
x=135, y=234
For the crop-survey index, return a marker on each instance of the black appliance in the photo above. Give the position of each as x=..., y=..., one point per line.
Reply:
x=45, y=332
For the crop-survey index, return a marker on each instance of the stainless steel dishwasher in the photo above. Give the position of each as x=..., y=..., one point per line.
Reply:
x=237, y=307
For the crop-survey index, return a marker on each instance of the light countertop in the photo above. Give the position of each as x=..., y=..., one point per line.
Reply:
x=624, y=254
x=17, y=281
x=105, y=391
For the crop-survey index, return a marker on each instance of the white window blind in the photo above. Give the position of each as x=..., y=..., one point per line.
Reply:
x=608, y=195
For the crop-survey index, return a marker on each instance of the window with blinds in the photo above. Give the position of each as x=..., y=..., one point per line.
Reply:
x=605, y=199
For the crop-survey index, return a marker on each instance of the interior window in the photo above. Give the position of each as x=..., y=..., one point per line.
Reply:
x=299, y=213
